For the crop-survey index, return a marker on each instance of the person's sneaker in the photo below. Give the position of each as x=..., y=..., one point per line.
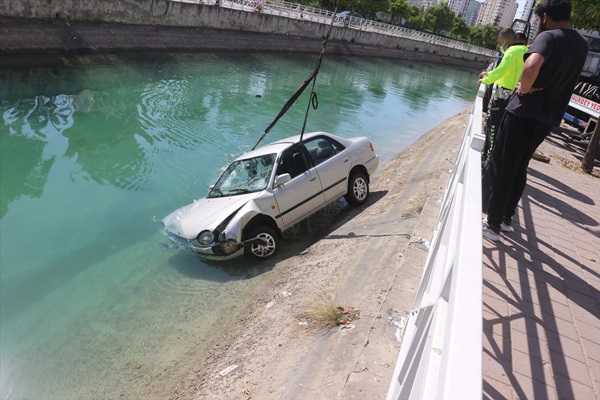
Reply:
x=506, y=225
x=539, y=156
x=490, y=232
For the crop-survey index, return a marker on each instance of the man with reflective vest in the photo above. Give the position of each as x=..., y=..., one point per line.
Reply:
x=505, y=78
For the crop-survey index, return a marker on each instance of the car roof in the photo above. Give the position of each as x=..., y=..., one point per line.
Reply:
x=280, y=145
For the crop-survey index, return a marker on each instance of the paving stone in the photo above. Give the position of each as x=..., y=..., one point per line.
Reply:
x=567, y=388
x=548, y=273
x=495, y=390
x=528, y=388
x=528, y=346
x=499, y=345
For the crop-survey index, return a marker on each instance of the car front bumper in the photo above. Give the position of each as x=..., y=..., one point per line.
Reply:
x=214, y=251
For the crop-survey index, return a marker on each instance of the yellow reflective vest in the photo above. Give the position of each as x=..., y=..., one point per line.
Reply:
x=508, y=73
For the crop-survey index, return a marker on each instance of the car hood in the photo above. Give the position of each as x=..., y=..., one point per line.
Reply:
x=189, y=221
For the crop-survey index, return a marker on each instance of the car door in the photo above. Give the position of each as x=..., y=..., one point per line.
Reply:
x=333, y=165
x=303, y=194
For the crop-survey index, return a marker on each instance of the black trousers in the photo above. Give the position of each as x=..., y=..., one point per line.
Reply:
x=497, y=108
x=487, y=95
x=506, y=169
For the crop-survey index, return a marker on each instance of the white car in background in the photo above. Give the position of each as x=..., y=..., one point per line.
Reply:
x=268, y=190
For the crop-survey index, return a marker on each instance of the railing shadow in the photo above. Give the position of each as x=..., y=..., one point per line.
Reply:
x=554, y=205
x=533, y=290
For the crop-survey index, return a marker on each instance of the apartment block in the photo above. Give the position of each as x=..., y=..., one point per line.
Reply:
x=500, y=13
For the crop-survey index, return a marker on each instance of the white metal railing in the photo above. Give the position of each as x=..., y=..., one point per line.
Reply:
x=299, y=11
x=441, y=353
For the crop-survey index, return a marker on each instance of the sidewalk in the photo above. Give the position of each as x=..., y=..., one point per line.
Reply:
x=541, y=289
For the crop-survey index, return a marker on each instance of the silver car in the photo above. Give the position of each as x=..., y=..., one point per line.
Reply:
x=268, y=190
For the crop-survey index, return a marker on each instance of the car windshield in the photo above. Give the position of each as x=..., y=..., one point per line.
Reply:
x=244, y=176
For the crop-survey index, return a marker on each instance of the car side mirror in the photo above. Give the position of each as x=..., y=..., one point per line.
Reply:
x=282, y=179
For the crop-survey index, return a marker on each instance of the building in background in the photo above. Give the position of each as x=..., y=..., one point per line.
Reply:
x=500, y=13
x=459, y=7
x=472, y=12
x=509, y=14
x=525, y=14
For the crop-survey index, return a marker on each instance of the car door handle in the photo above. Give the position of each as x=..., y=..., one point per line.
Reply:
x=312, y=179
x=346, y=160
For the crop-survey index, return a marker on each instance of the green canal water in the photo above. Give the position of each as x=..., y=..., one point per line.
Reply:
x=95, y=150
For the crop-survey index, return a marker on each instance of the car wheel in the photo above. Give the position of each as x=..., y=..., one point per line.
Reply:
x=266, y=249
x=358, y=189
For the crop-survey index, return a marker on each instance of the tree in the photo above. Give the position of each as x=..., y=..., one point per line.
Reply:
x=484, y=36
x=398, y=9
x=353, y=5
x=586, y=14
x=372, y=6
x=460, y=29
x=402, y=9
x=415, y=21
x=593, y=150
x=341, y=5
x=413, y=10
x=367, y=8
x=439, y=18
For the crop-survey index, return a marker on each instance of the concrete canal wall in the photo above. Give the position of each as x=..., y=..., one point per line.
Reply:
x=74, y=26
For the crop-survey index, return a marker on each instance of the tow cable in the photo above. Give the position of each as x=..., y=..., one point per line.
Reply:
x=313, y=100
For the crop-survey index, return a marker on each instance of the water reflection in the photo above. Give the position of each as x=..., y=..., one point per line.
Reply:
x=22, y=176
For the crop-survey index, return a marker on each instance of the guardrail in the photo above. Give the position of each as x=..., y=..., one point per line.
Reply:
x=307, y=13
x=441, y=353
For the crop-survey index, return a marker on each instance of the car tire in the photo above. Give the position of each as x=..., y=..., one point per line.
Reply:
x=262, y=251
x=358, y=189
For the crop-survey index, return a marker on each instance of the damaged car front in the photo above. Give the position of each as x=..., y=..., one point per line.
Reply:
x=216, y=226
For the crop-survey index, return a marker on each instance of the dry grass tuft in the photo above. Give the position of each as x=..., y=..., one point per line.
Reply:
x=321, y=311
x=417, y=203
x=325, y=314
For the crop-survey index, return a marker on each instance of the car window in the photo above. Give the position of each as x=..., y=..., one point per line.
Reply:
x=244, y=176
x=292, y=162
x=322, y=148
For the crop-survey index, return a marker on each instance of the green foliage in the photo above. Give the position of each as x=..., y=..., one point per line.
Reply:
x=413, y=10
x=439, y=18
x=484, y=36
x=460, y=29
x=586, y=14
x=415, y=22
x=372, y=6
x=367, y=8
x=398, y=9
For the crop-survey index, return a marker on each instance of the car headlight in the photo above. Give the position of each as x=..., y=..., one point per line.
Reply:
x=206, y=237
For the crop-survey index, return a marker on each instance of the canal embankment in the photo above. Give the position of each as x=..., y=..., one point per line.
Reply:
x=372, y=260
x=58, y=27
